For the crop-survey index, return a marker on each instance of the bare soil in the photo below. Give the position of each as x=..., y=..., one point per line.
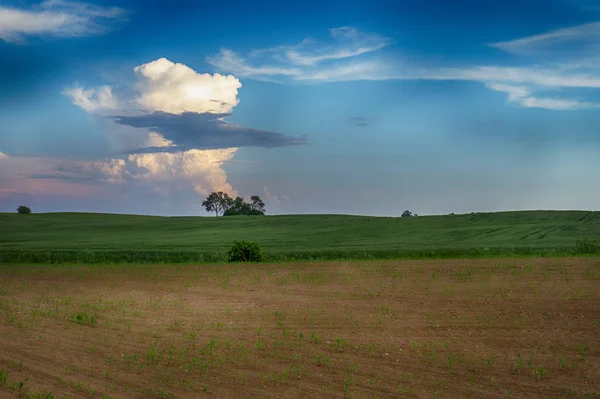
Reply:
x=497, y=328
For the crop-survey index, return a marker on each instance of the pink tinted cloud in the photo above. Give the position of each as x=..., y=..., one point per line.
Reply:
x=15, y=179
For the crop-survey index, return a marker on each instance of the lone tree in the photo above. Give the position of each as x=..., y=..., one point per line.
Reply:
x=24, y=210
x=222, y=204
x=406, y=214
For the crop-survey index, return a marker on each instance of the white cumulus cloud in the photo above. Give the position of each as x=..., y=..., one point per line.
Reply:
x=176, y=88
x=163, y=85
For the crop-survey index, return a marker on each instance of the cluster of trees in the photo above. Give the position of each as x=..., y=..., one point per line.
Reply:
x=407, y=214
x=222, y=204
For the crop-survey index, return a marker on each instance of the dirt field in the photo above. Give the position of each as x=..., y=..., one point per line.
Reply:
x=527, y=328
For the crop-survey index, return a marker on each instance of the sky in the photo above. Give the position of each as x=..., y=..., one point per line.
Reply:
x=362, y=107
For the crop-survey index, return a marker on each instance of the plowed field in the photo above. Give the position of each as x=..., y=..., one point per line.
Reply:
x=502, y=328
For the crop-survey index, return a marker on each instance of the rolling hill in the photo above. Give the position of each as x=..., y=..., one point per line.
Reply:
x=295, y=235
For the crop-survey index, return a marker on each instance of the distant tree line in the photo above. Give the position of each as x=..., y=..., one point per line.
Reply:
x=222, y=204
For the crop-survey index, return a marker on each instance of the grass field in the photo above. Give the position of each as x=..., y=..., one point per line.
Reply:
x=73, y=237
x=505, y=328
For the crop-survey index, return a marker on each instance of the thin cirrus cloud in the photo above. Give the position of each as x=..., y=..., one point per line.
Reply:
x=58, y=18
x=574, y=54
x=352, y=55
x=351, y=43
x=309, y=60
x=579, y=39
x=522, y=96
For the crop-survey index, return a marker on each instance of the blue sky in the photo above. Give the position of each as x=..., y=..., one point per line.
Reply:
x=363, y=107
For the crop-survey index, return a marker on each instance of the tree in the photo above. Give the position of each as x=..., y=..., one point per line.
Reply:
x=406, y=214
x=257, y=205
x=24, y=210
x=218, y=203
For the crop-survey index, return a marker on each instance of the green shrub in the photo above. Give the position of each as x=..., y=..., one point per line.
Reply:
x=246, y=251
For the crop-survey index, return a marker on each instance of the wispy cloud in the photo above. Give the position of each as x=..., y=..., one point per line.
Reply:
x=524, y=97
x=229, y=61
x=555, y=76
x=350, y=43
x=16, y=172
x=522, y=83
x=581, y=37
x=57, y=18
x=310, y=60
x=343, y=59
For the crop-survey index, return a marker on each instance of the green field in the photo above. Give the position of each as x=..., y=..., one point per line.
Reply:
x=111, y=237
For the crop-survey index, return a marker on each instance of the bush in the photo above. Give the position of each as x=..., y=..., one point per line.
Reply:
x=24, y=210
x=246, y=251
